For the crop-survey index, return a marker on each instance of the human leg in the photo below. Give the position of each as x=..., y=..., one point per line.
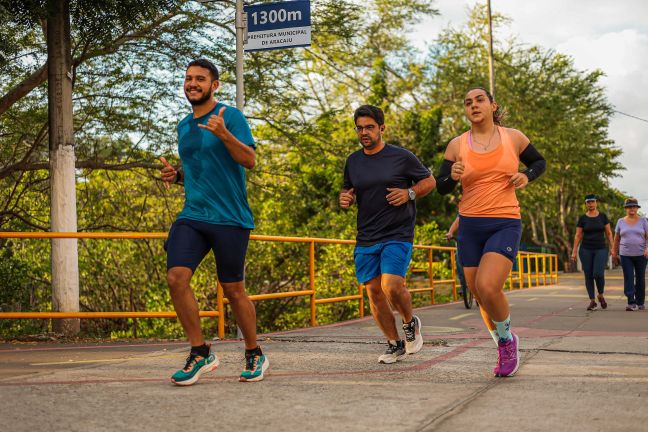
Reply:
x=394, y=260
x=384, y=318
x=587, y=260
x=470, y=274
x=640, y=280
x=598, y=271
x=229, y=245
x=381, y=309
x=491, y=275
x=184, y=303
x=471, y=240
x=186, y=247
x=628, y=280
x=600, y=262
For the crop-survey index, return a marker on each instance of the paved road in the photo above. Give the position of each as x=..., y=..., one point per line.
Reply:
x=580, y=371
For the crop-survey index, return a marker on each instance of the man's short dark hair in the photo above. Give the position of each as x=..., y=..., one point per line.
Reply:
x=204, y=63
x=370, y=111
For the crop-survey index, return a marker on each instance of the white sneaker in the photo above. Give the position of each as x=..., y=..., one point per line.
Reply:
x=413, y=337
x=393, y=353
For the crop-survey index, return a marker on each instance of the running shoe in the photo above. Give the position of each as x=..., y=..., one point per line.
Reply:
x=508, y=357
x=602, y=301
x=255, y=365
x=632, y=307
x=413, y=337
x=195, y=366
x=592, y=305
x=393, y=353
x=641, y=307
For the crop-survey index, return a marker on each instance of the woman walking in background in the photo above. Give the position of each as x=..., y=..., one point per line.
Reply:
x=630, y=242
x=591, y=230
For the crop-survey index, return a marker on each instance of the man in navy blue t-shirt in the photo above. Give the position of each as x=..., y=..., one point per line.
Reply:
x=215, y=145
x=384, y=180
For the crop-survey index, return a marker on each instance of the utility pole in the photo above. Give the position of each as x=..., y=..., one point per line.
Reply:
x=491, y=65
x=241, y=24
x=65, y=265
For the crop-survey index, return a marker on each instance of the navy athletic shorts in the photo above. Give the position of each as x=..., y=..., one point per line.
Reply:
x=478, y=235
x=189, y=242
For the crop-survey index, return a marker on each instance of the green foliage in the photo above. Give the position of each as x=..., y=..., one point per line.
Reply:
x=562, y=110
x=127, y=100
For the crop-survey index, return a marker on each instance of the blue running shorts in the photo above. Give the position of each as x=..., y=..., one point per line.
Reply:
x=391, y=257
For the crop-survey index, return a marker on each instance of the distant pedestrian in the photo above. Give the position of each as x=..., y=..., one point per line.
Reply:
x=631, y=244
x=592, y=229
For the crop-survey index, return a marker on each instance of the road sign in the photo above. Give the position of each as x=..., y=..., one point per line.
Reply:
x=278, y=25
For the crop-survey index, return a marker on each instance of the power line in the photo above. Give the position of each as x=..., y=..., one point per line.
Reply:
x=631, y=116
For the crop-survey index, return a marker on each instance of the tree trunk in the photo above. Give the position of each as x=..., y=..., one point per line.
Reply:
x=65, y=266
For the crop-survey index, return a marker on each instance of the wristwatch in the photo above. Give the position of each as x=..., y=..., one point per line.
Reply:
x=411, y=194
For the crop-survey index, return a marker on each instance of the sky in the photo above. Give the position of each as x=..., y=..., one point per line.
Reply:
x=610, y=35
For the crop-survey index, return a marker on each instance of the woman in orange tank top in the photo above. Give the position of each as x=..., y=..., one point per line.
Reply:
x=485, y=160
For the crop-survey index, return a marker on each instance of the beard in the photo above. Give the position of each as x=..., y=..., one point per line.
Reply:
x=370, y=144
x=201, y=100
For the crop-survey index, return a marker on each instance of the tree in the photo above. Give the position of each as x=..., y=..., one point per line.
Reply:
x=126, y=102
x=562, y=110
x=55, y=16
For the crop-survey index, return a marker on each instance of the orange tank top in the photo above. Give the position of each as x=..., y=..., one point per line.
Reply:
x=485, y=181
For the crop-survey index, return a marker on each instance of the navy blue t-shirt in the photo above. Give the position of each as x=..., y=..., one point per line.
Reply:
x=593, y=231
x=370, y=176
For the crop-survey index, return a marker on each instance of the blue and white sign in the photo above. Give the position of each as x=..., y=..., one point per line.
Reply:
x=278, y=25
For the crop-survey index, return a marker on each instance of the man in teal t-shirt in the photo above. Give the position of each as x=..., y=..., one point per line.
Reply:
x=215, y=145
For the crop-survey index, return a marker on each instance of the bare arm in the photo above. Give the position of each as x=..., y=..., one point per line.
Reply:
x=577, y=239
x=452, y=151
x=615, y=246
x=241, y=153
x=452, y=229
x=609, y=235
x=424, y=187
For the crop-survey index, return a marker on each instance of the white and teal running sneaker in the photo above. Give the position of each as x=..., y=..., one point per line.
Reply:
x=255, y=365
x=196, y=366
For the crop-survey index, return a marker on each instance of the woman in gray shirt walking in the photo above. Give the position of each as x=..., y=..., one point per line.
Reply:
x=630, y=242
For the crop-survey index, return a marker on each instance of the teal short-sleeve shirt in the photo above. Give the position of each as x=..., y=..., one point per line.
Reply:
x=215, y=185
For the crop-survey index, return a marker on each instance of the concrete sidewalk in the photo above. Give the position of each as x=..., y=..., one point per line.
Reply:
x=580, y=371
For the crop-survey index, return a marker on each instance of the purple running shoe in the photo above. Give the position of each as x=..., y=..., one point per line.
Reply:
x=508, y=357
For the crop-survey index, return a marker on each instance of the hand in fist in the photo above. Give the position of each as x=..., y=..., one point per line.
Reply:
x=347, y=198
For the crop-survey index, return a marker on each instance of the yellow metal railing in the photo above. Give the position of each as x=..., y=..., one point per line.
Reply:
x=221, y=301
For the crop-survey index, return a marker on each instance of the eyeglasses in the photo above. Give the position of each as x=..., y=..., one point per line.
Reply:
x=369, y=128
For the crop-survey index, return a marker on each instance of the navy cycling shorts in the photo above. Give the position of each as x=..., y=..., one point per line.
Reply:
x=189, y=242
x=479, y=235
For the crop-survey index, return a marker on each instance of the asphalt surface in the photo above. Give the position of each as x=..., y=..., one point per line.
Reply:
x=580, y=370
